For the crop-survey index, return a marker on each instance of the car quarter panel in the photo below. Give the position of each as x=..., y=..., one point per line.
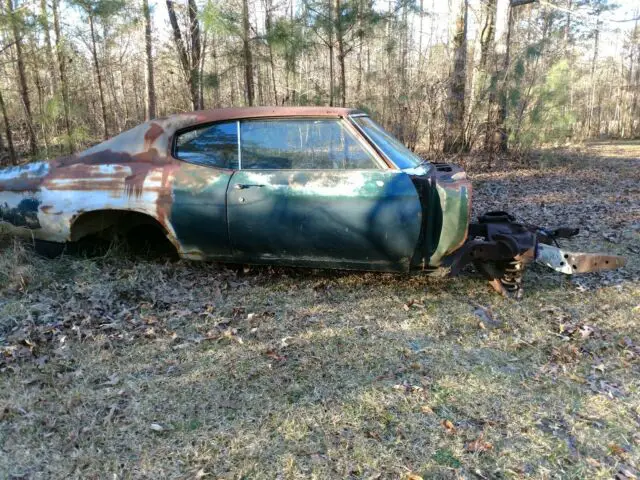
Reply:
x=132, y=171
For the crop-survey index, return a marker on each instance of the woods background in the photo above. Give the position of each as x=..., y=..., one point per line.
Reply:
x=449, y=77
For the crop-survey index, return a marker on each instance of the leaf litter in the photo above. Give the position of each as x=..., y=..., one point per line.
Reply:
x=327, y=373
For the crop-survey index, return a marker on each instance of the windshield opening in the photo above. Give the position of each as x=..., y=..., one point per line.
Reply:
x=400, y=155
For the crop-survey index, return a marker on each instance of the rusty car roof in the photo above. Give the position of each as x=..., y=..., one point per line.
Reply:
x=236, y=113
x=155, y=135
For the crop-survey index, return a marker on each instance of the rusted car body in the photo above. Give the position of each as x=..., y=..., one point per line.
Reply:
x=303, y=186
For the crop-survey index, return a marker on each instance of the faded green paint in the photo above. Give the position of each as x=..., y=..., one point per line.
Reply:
x=455, y=202
x=336, y=219
x=198, y=211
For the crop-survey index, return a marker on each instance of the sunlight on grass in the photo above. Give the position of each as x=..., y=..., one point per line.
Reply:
x=138, y=368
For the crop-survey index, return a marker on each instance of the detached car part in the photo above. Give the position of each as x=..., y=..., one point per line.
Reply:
x=296, y=186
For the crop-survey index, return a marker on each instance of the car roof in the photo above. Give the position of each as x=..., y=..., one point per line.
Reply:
x=221, y=114
x=156, y=134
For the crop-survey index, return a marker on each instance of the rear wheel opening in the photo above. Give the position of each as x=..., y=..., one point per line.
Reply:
x=48, y=249
x=127, y=233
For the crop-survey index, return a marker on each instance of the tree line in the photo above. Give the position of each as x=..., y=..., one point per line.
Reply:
x=451, y=77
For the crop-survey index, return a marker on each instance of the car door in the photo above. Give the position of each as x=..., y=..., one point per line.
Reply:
x=310, y=191
x=208, y=156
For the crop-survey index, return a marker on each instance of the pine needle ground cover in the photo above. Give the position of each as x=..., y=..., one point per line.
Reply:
x=119, y=367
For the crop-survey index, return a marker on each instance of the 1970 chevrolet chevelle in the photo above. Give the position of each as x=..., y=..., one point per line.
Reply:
x=299, y=186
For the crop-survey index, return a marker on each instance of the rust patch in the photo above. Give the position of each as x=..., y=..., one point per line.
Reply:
x=152, y=135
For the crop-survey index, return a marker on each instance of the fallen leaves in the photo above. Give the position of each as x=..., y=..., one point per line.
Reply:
x=478, y=445
x=272, y=354
x=448, y=426
x=427, y=410
x=617, y=450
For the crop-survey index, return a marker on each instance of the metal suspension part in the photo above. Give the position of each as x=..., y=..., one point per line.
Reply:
x=500, y=248
x=512, y=277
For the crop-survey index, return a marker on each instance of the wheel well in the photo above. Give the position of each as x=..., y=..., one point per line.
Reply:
x=99, y=221
x=113, y=222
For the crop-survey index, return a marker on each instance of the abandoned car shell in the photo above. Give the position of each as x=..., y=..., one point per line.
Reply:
x=300, y=186
x=379, y=218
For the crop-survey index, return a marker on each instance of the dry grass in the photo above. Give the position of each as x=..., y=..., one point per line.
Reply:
x=141, y=369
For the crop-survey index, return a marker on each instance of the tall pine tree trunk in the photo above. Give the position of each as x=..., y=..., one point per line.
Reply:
x=592, y=80
x=268, y=26
x=487, y=45
x=22, y=79
x=96, y=66
x=150, y=110
x=196, y=51
x=190, y=66
x=501, y=118
x=246, y=52
x=341, y=53
x=454, y=137
x=7, y=129
x=62, y=65
x=44, y=21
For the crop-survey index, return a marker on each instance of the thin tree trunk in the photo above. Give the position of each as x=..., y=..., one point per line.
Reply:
x=63, y=75
x=96, y=66
x=268, y=27
x=43, y=119
x=7, y=130
x=330, y=45
x=341, y=53
x=24, y=91
x=196, y=51
x=488, y=35
x=203, y=56
x=182, y=54
x=592, y=93
x=487, y=45
x=361, y=36
x=216, y=88
x=634, y=78
x=501, y=120
x=246, y=51
x=454, y=138
x=150, y=110
x=44, y=21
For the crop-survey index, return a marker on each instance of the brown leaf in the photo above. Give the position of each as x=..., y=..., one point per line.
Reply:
x=275, y=356
x=448, y=425
x=427, y=410
x=617, y=450
x=414, y=476
x=478, y=445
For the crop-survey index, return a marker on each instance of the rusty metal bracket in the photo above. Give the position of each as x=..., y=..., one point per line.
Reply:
x=576, y=262
x=501, y=248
